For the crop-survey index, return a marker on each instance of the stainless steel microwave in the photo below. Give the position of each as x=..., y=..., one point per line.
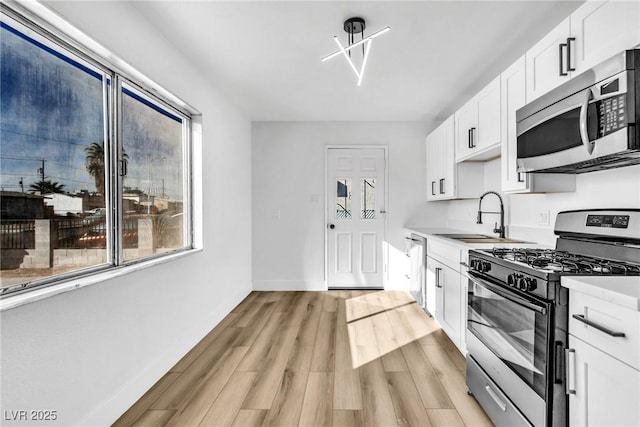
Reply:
x=589, y=123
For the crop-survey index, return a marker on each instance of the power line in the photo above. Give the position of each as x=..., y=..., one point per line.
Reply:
x=66, y=141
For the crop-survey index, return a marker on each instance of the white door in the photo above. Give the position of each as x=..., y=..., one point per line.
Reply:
x=355, y=217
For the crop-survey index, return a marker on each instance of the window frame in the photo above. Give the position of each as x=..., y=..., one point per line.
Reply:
x=53, y=31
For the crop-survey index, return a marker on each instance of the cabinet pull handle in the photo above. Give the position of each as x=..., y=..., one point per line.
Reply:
x=473, y=138
x=496, y=398
x=433, y=191
x=562, y=73
x=469, y=138
x=581, y=318
x=569, y=40
x=442, y=186
x=570, y=363
x=520, y=177
x=438, y=284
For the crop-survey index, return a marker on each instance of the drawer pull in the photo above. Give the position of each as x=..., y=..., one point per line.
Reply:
x=496, y=398
x=581, y=318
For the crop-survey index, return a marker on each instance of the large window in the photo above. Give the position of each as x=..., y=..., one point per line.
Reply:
x=94, y=169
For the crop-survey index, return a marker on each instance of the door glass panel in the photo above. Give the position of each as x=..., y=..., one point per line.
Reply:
x=343, y=198
x=368, y=198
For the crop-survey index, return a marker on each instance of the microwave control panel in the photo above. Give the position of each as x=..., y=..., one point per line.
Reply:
x=611, y=114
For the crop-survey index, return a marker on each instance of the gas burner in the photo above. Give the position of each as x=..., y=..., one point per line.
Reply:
x=555, y=261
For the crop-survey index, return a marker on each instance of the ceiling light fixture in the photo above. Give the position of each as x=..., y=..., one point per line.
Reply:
x=355, y=26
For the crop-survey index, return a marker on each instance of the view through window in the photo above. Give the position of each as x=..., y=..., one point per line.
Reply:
x=55, y=152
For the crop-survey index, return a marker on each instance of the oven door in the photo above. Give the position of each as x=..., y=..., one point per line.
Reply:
x=513, y=327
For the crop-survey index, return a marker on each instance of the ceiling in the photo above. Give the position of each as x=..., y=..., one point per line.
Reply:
x=265, y=55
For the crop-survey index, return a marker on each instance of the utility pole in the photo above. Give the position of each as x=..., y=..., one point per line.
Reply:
x=21, y=184
x=41, y=170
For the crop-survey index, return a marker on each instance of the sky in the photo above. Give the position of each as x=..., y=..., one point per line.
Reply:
x=51, y=108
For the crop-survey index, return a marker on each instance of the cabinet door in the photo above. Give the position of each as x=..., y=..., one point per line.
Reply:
x=603, y=29
x=544, y=62
x=450, y=319
x=466, y=129
x=433, y=167
x=607, y=391
x=433, y=294
x=447, y=160
x=464, y=290
x=488, y=100
x=513, y=97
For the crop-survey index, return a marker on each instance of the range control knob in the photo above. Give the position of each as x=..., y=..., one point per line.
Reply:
x=527, y=284
x=532, y=284
x=474, y=263
x=512, y=279
x=484, y=266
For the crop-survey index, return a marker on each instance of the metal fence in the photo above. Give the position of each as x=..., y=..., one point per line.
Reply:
x=18, y=234
x=74, y=233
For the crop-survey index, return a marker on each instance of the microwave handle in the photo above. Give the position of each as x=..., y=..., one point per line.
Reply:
x=584, y=135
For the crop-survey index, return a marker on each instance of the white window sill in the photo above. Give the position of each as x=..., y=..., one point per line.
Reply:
x=12, y=301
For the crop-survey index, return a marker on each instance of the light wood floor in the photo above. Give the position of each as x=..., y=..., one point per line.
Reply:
x=284, y=359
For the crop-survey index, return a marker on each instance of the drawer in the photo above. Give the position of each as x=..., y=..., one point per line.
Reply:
x=609, y=316
x=446, y=254
x=494, y=402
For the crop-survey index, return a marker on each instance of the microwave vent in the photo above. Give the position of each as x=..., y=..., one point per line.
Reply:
x=627, y=158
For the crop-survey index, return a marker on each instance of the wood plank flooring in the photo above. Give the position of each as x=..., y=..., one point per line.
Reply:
x=285, y=359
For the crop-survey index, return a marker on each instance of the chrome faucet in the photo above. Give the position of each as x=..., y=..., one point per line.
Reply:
x=496, y=229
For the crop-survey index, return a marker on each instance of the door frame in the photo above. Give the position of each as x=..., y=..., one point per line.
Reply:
x=385, y=245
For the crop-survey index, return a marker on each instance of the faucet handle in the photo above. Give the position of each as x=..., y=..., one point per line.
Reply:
x=496, y=229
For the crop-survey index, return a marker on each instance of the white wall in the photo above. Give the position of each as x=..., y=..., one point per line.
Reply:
x=92, y=352
x=615, y=188
x=288, y=195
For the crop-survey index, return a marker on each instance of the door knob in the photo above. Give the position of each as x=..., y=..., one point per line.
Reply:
x=332, y=226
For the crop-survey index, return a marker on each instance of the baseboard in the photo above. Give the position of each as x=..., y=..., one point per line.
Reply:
x=113, y=408
x=289, y=285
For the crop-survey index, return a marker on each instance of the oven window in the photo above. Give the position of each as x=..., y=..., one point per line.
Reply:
x=557, y=134
x=514, y=333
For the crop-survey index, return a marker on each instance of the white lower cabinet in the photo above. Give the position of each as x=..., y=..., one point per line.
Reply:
x=446, y=291
x=605, y=391
x=603, y=362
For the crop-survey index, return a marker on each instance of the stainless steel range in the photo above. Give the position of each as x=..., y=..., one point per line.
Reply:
x=517, y=313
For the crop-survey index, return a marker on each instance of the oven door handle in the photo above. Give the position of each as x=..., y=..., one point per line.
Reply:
x=584, y=134
x=508, y=295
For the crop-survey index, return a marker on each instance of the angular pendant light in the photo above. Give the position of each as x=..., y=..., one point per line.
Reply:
x=355, y=26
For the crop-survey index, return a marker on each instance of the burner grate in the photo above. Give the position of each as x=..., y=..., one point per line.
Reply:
x=564, y=262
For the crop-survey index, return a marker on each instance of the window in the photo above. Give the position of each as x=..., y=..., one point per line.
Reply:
x=76, y=196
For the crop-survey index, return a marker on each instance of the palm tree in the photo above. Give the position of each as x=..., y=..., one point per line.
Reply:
x=46, y=186
x=94, y=162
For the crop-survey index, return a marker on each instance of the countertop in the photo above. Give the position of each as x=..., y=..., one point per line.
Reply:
x=623, y=291
x=432, y=233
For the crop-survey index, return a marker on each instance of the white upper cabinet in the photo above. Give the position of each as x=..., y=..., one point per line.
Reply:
x=513, y=93
x=446, y=179
x=477, y=125
x=602, y=29
x=546, y=61
x=596, y=31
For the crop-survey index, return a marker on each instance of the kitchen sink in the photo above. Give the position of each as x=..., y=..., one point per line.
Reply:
x=479, y=238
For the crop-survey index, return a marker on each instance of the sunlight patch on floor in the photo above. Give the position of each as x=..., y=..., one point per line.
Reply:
x=381, y=322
